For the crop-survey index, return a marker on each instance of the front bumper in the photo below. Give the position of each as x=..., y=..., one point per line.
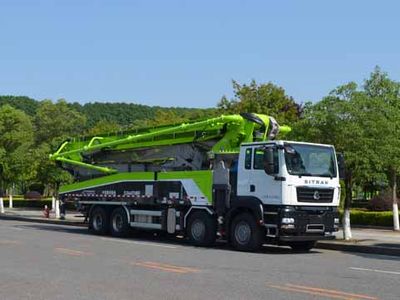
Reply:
x=306, y=223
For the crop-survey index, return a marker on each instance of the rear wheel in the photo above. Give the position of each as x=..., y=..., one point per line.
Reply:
x=119, y=225
x=201, y=229
x=245, y=233
x=99, y=221
x=302, y=246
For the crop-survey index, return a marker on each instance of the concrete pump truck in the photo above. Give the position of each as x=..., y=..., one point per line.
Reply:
x=225, y=177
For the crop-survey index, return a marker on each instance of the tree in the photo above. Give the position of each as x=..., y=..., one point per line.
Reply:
x=104, y=127
x=386, y=96
x=339, y=120
x=54, y=122
x=265, y=98
x=130, y=115
x=57, y=121
x=49, y=174
x=16, y=140
x=163, y=117
x=364, y=125
x=26, y=104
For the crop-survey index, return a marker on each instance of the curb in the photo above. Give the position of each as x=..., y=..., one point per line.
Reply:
x=370, y=249
x=43, y=221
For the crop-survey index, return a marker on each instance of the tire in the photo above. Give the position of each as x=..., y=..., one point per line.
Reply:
x=119, y=226
x=245, y=233
x=302, y=246
x=201, y=229
x=99, y=221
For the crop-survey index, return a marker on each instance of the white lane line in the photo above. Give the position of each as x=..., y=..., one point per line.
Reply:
x=374, y=270
x=139, y=243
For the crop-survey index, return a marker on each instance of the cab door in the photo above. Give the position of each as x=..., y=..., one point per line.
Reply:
x=253, y=181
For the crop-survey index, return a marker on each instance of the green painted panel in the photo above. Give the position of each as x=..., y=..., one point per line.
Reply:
x=107, y=180
x=203, y=179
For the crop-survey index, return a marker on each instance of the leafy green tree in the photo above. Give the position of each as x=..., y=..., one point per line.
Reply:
x=16, y=141
x=54, y=122
x=104, y=127
x=49, y=174
x=163, y=117
x=385, y=94
x=265, y=98
x=129, y=115
x=26, y=104
x=57, y=121
x=340, y=119
x=363, y=124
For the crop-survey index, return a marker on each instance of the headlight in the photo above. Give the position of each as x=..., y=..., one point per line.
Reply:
x=287, y=221
x=336, y=220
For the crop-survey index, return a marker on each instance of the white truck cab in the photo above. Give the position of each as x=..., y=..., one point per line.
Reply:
x=297, y=185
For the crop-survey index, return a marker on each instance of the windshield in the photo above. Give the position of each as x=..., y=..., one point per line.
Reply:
x=310, y=160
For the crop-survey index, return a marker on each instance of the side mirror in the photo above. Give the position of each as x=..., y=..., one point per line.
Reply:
x=269, y=161
x=340, y=160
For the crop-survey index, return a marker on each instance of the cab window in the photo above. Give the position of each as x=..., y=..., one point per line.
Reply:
x=259, y=160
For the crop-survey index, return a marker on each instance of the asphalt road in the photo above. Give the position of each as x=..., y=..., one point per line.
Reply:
x=41, y=261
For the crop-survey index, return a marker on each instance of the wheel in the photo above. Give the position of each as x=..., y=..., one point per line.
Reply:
x=119, y=225
x=201, y=229
x=302, y=246
x=99, y=221
x=245, y=233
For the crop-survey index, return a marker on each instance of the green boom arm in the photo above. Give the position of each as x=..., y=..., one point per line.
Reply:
x=229, y=132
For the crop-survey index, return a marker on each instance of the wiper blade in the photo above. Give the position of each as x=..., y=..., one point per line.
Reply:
x=301, y=174
x=326, y=175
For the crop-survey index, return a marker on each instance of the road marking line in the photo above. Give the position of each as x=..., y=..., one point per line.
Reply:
x=139, y=243
x=172, y=266
x=72, y=252
x=161, y=268
x=9, y=242
x=166, y=267
x=375, y=270
x=322, y=292
x=336, y=292
x=308, y=292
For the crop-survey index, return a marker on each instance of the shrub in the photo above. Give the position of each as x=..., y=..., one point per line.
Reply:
x=381, y=202
x=21, y=203
x=33, y=195
x=28, y=203
x=372, y=218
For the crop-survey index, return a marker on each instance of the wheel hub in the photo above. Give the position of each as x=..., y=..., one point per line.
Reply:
x=117, y=223
x=242, y=233
x=98, y=222
x=198, y=230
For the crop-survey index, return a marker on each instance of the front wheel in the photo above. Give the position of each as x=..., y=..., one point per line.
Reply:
x=201, y=229
x=245, y=233
x=302, y=246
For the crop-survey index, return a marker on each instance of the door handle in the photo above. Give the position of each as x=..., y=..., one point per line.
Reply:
x=252, y=188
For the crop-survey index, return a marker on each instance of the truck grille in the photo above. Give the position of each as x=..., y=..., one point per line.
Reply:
x=314, y=195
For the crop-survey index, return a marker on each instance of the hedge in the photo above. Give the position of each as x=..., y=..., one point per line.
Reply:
x=373, y=218
x=34, y=203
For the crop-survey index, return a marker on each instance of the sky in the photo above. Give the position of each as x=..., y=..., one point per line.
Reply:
x=186, y=53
